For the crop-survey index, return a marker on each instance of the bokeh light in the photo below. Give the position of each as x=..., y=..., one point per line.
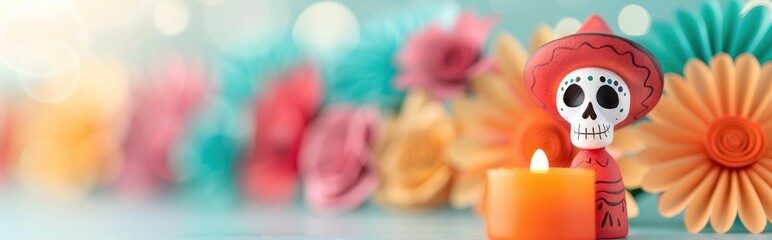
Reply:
x=43, y=9
x=171, y=17
x=634, y=20
x=43, y=53
x=567, y=26
x=112, y=14
x=48, y=71
x=246, y=27
x=19, y=29
x=327, y=28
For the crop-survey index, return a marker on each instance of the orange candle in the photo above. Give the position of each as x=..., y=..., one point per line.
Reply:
x=540, y=203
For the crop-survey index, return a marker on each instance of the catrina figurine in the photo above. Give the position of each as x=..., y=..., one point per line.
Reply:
x=598, y=83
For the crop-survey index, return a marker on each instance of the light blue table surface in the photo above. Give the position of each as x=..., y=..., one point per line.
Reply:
x=24, y=217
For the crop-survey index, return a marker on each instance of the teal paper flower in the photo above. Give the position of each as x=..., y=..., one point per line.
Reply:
x=241, y=78
x=365, y=75
x=709, y=31
x=206, y=158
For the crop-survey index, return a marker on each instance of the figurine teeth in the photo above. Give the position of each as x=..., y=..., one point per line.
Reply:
x=602, y=130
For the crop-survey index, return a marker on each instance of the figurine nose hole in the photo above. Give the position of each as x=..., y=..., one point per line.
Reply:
x=589, y=112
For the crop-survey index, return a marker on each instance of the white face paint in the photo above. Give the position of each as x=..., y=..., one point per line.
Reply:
x=593, y=100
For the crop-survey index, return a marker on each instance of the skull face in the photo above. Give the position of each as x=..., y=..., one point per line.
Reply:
x=593, y=100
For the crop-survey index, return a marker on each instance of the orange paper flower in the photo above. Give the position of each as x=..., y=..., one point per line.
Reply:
x=501, y=125
x=709, y=144
x=413, y=155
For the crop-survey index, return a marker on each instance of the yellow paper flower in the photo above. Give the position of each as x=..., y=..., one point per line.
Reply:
x=709, y=146
x=501, y=125
x=413, y=155
x=66, y=148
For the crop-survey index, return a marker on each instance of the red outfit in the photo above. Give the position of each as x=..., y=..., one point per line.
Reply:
x=611, y=207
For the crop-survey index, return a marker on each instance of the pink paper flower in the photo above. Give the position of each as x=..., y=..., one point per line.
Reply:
x=337, y=159
x=442, y=62
x=282, y=114
x=174, y=89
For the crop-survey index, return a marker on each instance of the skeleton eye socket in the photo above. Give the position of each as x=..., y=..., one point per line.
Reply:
x=574, y=96
x=607, y=97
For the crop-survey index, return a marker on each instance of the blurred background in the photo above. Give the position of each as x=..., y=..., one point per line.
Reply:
x=185, y=118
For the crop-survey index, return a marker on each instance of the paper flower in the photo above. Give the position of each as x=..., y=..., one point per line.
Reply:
x=165, y=102
x=281, y=116
x=337, y=159
x=442, y=62
x=206, y=160
x=8, y=132
x=240, y=78
x=501, y=125
x=625, y=145
x=413, y=157
x=366, y=74
x=71, y=147
x=709, y=144
x=712, y=30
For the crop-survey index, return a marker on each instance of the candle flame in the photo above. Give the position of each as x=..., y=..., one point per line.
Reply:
x=539, y=162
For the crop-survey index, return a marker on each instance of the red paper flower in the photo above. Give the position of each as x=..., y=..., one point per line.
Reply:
x=282, y=115
x=172, y=92
x=7, y=133
x=337, y=161
x=442, y=62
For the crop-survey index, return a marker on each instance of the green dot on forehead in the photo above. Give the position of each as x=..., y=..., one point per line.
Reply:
x=589, y=78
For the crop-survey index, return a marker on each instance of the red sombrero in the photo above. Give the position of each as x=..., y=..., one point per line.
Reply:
x=595, y=46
